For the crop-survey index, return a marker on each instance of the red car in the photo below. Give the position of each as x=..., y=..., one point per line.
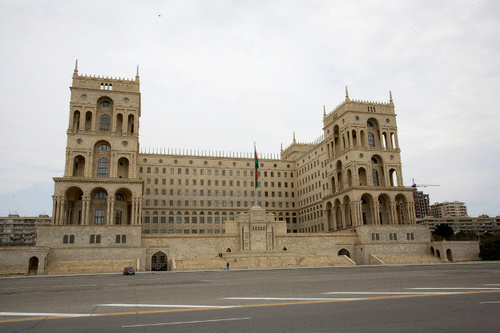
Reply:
x=129, y=271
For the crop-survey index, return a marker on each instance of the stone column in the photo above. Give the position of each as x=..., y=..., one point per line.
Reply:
x=87, y=210
x=411, y=212
x=112, y=211
x=108, y=210
x=343, y=215
x=139, y=210
x=393, y=214
x=89, y=165
x=61, y=210
x=376, y=212
x=133, y=212
x=54, y=209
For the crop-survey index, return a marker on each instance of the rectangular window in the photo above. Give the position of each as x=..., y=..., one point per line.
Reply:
x=99, y=216
x=118, y=217
x=105, y=124
x=102, y=168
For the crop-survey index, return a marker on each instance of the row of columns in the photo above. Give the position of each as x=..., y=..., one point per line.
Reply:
x=384, y=177
x=334, y=149
x=61, y=211
x=92, y=170
x=79, y=122
x=351, y=214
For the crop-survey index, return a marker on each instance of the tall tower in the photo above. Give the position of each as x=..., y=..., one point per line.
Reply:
x=364, y=167
x=100, y=184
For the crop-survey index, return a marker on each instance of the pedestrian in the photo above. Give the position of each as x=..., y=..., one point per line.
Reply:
x=227, y=266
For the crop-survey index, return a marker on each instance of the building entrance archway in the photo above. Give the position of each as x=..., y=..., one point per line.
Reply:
x=159, y=261
x=449, y=255
x=344, y=252
x=33, y=266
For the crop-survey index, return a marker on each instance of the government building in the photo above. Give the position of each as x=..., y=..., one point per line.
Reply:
x=339, y=200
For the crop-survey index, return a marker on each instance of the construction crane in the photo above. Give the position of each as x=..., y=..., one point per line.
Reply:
x=420, y=185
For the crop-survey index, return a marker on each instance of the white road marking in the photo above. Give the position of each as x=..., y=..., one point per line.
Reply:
x=293, y=298
x=187, y=322
x=386, y=293
x=454, y=288
x=490, y=302
x=162, y=306
x=43, y=314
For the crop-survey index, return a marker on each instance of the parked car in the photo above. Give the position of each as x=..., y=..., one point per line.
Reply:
x=129, y=271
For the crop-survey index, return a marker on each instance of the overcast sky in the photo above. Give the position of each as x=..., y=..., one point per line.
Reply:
x=219, y=75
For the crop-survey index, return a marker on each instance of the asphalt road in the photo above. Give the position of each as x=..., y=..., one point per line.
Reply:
x=417, y=298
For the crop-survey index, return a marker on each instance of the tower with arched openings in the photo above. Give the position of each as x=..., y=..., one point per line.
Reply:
x=100, y=184
x=363, y=167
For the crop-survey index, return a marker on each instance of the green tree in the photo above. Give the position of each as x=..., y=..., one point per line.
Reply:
x=489, y=247
x=442, y=231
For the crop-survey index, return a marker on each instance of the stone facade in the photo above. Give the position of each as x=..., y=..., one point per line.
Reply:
x=339, y=200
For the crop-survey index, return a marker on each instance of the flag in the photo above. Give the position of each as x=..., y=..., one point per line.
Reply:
x=256, y=167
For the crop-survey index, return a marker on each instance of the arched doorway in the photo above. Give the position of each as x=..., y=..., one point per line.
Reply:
x=449, y=255
x=33, y=266
x=344, y=252
x=159, y=261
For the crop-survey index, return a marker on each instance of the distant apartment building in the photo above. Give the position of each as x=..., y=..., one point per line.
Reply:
x=480, y=224
x=20, y=230
x=421, y=199
x=449, y=209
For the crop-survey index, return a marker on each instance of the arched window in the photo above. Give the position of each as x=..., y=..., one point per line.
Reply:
x=344, y=252
x=105, y=104
x=371, y=140
x=72, y=239
x=102, y=168
x=130, y=124
x=100, y=195
x=76, y=121
x=375, y=177
x=119, y=197
x=65, y=239
x=104, y=147
x=105, y=124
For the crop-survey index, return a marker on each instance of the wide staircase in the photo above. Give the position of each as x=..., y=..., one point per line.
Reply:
x=403, y=258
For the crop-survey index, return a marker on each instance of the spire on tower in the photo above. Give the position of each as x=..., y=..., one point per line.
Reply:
x=294, y=137
x=346, y=94
x=390, y=96
x=324, y=111
x=137, y=75
x=76, y=66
